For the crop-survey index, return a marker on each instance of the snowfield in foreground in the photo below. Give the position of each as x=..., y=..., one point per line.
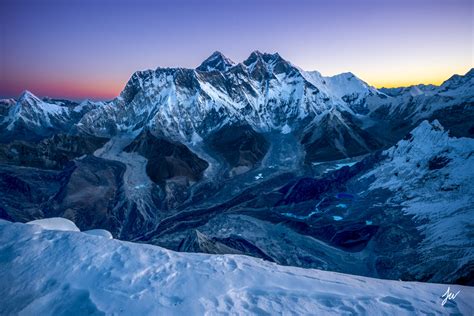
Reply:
x=48, y=272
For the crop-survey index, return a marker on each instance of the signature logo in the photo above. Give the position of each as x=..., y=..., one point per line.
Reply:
x=449, y=296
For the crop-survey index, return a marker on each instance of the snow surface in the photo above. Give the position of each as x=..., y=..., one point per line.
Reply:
x=62, y=273
x=99, y=232
x=55, y=223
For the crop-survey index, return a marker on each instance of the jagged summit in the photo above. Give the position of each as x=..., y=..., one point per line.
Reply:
x=25, y=95
x=217, y=61
x=262, y=62
x=256, y=56
x=456, y=81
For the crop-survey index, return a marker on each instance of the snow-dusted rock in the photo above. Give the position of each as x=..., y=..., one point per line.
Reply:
x=430, y=175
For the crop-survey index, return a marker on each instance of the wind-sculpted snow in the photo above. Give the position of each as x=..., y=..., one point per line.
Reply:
x=55, y=223
x=59, y=273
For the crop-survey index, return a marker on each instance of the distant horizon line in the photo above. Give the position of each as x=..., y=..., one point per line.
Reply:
x=436, y=83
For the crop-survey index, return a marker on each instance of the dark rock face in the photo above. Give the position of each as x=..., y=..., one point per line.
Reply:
x=85, y=191
x=167, y=159
x=199, y=242
x=438, y=162
x=26, y=191
x=459, y=119
x=239, y=145
x=5, y=106
x=338, y=137
x=91, y=194
x=51, y=153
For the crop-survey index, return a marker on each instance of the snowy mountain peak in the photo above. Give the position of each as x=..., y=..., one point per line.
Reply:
x=265, y=91
x=346, y=75
x=349, y=79
x=254, y=56
x=427, y=127
x=32, y=112
x=425, y=144
x=28, y=96
x=470, y=73
x=456, y=81
x=30, y=117
x=257, y=56
x=265, y=66
x=216, y=62
x=427, y=138
x=345, y=88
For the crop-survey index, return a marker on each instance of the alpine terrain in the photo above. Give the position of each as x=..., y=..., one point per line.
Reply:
x=257, y=158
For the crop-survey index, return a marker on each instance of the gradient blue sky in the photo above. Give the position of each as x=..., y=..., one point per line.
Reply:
x=89, y=49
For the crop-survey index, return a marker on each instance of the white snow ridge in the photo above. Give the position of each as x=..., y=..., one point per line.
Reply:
x=80, y=274
x=55, y=223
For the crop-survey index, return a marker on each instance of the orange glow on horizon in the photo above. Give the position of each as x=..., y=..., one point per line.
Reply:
x=106, y=89
x=102, y=90
x=415, y=77
x=407, y=83
x=94, y=90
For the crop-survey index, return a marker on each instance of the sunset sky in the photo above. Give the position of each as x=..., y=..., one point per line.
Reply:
x=89, y=49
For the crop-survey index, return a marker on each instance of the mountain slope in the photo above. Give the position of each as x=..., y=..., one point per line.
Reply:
x=431, y=176
x=452, y=103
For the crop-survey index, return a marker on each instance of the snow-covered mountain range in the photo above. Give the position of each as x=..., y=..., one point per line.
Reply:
x=265, y=92
x=259, y=158
x=30, y=117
